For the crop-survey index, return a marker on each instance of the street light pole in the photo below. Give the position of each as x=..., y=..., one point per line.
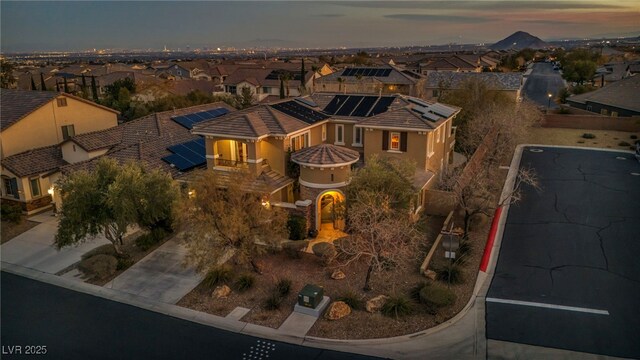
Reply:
x=549, y=101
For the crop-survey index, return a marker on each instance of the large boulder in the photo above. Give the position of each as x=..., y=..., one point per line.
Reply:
x=337, y=310
x=338, y=275
x=221, y=291
x=375, y=304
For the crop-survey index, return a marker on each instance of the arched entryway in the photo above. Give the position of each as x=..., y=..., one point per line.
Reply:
x=330, y=212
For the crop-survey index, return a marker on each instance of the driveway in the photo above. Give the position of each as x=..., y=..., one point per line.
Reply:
x=542, y=81
x=160, y=275
x=567, y=273
x=34, y=248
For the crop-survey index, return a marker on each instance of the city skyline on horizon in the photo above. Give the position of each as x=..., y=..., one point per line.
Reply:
x=142, y=25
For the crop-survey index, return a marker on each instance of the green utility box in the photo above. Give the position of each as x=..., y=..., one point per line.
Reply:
x=310, y=296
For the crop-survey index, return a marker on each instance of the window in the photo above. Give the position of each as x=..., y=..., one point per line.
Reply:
x=395, y=141
x=340, y=134
x=68, y=131
x=589, y=108
x=11, y=187
x=614, y=114
x=34, y=183
x=61, y=102
x=604, y=112
x=232, y=89
x=357, y=136
x=265, y=90
x=300, y=141
x=324, y=132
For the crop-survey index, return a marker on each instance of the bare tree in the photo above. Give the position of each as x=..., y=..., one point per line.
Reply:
x=220, y=217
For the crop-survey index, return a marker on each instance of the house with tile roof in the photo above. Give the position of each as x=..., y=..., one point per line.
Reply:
x=327, y=135
x=620, y=98
x=508, y=83
x=265, y=81
x=370, y=80
x=33, y=124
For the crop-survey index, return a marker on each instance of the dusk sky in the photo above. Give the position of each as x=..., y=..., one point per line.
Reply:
x=33, y=26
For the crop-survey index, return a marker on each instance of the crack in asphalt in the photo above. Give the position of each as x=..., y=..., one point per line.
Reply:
x=559, y=267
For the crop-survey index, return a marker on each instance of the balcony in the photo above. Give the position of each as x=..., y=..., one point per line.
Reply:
x=231, y=163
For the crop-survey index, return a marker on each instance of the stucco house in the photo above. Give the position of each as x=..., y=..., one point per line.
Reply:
x=327, y=135
x=508, y=83
x=370, y=80
x=34, y=123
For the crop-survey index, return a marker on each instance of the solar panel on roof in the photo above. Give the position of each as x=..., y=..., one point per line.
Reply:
x=418, y=102
x=187, y=155
x=365, y=106
x=306, y=101
x=440, y=109
x=347, y=72
x=335, y=104
x=382, y=105
x=370, y=72
x=191, y=119
x=296, y=110
x=179, y=162
x=195, y=146
x=349, y=105
x=431, y=116
x=386, y=73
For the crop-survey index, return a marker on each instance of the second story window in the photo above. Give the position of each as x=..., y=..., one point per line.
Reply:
x=300, y=141
x=61, y=102
x=265, y=90
x=357, y=136
x=395, y=141
x=340, y=134
x=68, y=131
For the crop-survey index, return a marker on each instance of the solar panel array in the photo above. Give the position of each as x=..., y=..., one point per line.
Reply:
x=379, y=72
x=306, y=101
x=187, y=155
x=300, y=112
x=364, y=106
x=435, y=108
x=191, y=119
x=276, y=74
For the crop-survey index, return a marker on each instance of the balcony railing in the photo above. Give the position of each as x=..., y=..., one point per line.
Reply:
x=231, y=163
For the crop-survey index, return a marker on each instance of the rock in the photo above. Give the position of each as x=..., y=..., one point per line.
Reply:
x=375, y=304
x=221, y=291
x=430, y=274
x=337, y=310
x=338, y=275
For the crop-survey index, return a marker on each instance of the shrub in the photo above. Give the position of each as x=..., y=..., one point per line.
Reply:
x=436, y=296
x=465, y=247
x=633, y=137
x=218, y=275
x=352, y=299
x=588, y=136
x=106, y=249
x=397, y=306
x=564, y=110
x=273, y=301
x=297, y=226
x=283, y=287
x=146, y=241
x=99, y=266
x=414, y=292
x=623, y=143
x=244, y=282
x=451, y=274
x=11, y=213
x=124, y=263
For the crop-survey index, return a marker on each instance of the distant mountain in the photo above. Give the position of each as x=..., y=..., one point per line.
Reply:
x=519, y=40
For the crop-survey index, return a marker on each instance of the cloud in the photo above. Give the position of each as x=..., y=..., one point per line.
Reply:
x=330, y=15
x=479, y=5
x=550, y=22
x=439, y=18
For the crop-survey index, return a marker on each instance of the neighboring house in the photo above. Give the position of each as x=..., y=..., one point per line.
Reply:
x=451, y=63
x=327, y=134
x=611, y=72
x=369, y=80
x=265, y=82
x=621, y=98
x=33, y=124
x=198, y=70
x=439, y=82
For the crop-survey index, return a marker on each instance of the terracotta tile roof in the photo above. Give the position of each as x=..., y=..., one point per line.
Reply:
x=454, y=80
x=17, y=104
x=409, y=116
x=145, y=139
x=325, y=154
x=396, y=77
x=266, y=183
x=35, y=162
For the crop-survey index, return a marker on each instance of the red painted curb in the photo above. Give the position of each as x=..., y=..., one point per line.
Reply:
x=492, y=236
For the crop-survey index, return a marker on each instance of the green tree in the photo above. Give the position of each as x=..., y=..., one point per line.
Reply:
x=66, y=85
x=94, y=89
x=281, y=88
x=43, y=85
x=33, y=84
x=222, y=218
x=84, y=87
x=7, y=79
x=246, y=97
x=303, y=72
x=111, y=198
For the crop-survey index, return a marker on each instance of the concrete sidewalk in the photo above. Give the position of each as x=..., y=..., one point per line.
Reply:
x=160, y=276
x=34, y=248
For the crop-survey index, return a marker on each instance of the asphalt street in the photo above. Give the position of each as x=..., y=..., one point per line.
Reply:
x=542, y=81
x=567, y=275
x=73, y=325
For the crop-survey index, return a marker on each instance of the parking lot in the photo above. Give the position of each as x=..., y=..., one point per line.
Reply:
x=568, y=274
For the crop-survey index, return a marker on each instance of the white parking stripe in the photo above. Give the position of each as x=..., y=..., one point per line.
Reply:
x=548, y=306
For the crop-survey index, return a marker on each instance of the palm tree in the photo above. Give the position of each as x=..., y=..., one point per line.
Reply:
x=286, y=76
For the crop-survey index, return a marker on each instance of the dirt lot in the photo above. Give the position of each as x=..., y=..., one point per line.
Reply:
x=573, y=137
x=359, y=324
x=10, y=230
